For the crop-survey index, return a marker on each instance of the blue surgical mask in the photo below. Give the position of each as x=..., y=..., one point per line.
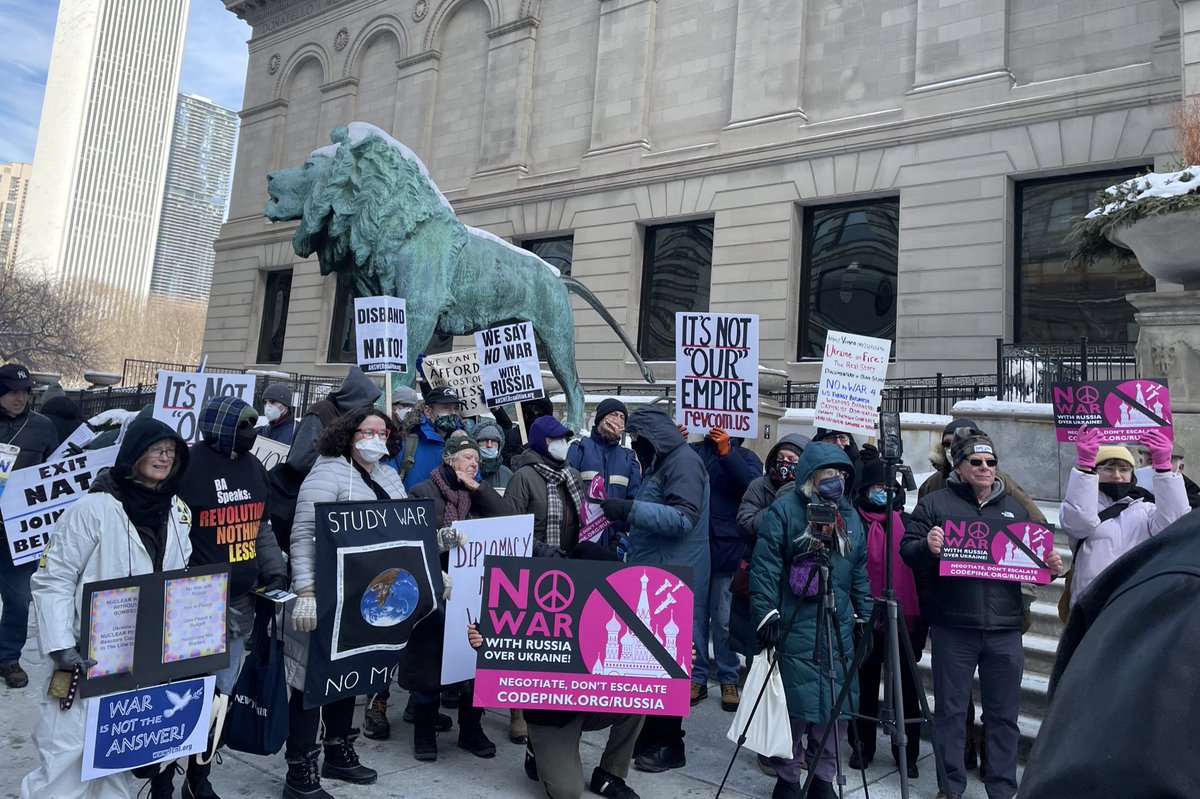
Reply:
x=489, y=452
x=831, y=488
x=878, y=497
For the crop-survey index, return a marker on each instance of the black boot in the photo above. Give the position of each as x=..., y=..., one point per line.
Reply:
x=425, y=731
x=162, y=784
x=196, y=784
x=443, y=723
x=820, y=789
x=470, y=731
x=302, y=781
x=787, y=790
x=341, y=762
x=662, y=757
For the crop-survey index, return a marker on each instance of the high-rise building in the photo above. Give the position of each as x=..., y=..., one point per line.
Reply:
x=14, y=185
x=105, y=131
x=197, y=190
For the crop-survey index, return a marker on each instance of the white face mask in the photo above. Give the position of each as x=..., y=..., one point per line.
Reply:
x=489, y=452
x=272, y=412
x=558, y=449
x=948, y=458
x=371, y=449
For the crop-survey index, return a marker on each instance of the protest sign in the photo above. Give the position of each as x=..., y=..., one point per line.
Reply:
x=36, y=496
x=269, y=452
x=716, y=372
x=377, y=576
x=509, y=367
x=146, y=726
x=853, y=373
x=152, y=628
x=585, y=636
x=458, y=370
x=994, y=549
x=593, y=524
x=181, y=395
x=74, y=443
x=381, y=334
x=8, y=459
x=507, y=535
x=1122, y=410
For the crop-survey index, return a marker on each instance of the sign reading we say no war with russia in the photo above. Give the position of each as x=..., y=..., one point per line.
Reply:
x=716, y=372
x=853, y=373
x=508, y=364
x=381, y=334
x=1122, y=410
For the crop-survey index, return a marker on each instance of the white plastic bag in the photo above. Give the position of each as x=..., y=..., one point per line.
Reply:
x=767, y=728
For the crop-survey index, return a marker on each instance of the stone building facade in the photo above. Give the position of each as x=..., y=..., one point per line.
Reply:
x=902, y=168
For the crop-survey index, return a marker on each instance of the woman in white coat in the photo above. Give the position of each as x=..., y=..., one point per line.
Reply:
x=129, y=523
x=1105, y=513
x=347, y=469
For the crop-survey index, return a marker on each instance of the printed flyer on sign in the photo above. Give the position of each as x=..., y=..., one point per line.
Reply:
x=507, y=535
x=194, y=616
x=996, y=549
x=180, y=396
x=112, y=622
x=716, y=372
x=381, y=334
x=458, y=370
x=585, y=636
x=146, y=726
x=1122, y=410
x=853, y=373
x=508, y=364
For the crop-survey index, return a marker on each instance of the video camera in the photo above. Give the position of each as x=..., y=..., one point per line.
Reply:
x=891, y=448
x=822, y=522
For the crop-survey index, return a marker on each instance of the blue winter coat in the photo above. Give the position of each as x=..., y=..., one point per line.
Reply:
x=805, y=680
x=281, y=431
x=597, y=455
x=728, y=479
x=429, y=454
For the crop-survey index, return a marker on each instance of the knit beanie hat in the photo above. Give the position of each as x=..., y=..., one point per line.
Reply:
x=872, y=473
x=607, y=406
x=279, y=392
x=974, y=443
x=543, y=428
x=489, y=430
x=956, y=424
x=457, y=444
x=1114, y=452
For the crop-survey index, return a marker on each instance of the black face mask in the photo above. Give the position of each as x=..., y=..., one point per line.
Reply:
x=1117, y=491
x=244, y=438
x=644, y=451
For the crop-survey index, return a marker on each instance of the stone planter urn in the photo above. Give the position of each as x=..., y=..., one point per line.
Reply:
x=1167, y=246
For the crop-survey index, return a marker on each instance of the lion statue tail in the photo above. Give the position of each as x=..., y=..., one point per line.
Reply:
x=575, y=286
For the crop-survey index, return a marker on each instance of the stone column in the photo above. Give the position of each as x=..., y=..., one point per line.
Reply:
x=339, y=101
x=415, y=89
x=508, y=101
x=624, y=61
x=1189, y=45
x=961, y=41
x=260, y=141
x=1169, y=346
x=768, y=63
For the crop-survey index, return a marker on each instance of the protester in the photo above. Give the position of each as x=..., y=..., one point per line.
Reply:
x=491, y=465
x=731, y=469
x=972, y=621
x=347, y=469
x=531, y=411
x=277, y=407
x=871, y=504
x=64, y=413
x=1144, y=473
x=668, y=526
x=1106, y=513
x=439, y=419
x=36, y=438
x=848, y=444
x=557, y=512
x=601, y=453
x=129, y=523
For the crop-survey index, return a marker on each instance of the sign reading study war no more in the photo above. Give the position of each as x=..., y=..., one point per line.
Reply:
x=585, y=636
x=508, y=364
x=1122, y=410
x=989, y=548
x=381, y=334
x=716, y=372
x=853, y=373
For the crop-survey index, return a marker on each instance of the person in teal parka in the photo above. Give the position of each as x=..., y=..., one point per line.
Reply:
x=789, y=623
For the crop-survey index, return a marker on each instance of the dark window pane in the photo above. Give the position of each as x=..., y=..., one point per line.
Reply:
x=849, y=272
x=274, y=319
x=556, y=251
x=676, y=276
x=1057, y=301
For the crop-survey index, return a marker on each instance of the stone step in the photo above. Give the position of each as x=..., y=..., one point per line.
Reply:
x=1040, y=651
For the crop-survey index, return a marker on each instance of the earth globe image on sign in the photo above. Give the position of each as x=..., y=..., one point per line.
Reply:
x=390, y=598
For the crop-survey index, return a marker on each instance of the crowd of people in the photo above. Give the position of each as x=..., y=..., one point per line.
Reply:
x=771, y=546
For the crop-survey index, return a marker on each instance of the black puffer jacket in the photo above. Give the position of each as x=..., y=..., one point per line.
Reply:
x=961, y=601
x=33, y=433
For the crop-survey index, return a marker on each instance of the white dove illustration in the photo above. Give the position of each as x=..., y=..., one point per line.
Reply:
x=178, y=702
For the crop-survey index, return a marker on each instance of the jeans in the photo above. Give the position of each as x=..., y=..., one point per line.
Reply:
x=227, y=677
x=14, y=616
x=716, y=622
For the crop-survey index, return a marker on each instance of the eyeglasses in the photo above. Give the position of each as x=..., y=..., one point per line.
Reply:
x=162, y=452
x=977, y=462
x=372, y=433
x=841, y=439
x=947, y=443
x=1121, y=470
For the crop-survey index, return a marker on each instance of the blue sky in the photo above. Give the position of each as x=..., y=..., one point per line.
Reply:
x=214, y=64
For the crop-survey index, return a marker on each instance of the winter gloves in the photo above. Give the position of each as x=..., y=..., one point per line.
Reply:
x=1159, y=447
x=304, y=614
x=1087, y=444
x=68, y=659
x=616, y=510
x=768, y=631
x=447, y=587
x=720, y=440
x=448, y=538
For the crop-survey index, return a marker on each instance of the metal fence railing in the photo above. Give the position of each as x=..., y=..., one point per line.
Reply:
x=1025, y=372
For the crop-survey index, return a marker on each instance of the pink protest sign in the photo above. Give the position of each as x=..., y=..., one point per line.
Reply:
x=594, y=522
x=996, y=549
x=586, y=636
x=1123, y=410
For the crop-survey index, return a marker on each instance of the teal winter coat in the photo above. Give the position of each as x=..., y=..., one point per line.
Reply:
x=805, y=680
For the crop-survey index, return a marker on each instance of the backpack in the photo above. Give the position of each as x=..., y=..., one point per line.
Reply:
x=410, y=454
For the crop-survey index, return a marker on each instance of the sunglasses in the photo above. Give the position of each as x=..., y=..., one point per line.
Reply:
x=977, y=462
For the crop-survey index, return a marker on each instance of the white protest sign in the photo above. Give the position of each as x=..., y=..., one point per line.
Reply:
x=458, y=370
x=82, y=436
x=181, y=395
x=506, y=535
x=381, y=334
x=36, y=496
x=852, y=377
x=716, y=372
x=508, y=361
x=270, y=451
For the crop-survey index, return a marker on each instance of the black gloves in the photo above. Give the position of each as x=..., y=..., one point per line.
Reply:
x=616, y=510
x=768, y=634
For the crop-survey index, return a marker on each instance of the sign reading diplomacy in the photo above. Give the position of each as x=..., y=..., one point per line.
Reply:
x=716, y=372
x=1122, y=410
x=996, y=549
x=585, y=636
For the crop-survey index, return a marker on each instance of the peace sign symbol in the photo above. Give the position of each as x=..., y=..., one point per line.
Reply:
x=977, y=530
x=1088, y=394
x=554, y=591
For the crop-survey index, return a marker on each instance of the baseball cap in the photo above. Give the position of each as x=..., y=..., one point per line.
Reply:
x=14, y=377
x=443, y=395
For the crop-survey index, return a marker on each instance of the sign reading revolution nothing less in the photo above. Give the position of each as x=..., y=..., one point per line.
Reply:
x=716, y=372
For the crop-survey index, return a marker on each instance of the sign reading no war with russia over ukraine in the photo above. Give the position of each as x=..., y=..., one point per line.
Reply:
x=716, y=372
x=853, y=373
x=996, y=549
x=508, y=364
x=381, y=334
x=1122, y=410
x=181, y=395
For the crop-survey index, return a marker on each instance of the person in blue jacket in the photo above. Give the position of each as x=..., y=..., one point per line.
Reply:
x=601, y=453
x=731, y=470
x=668, y=526
x=439, y=419
x=277, y=407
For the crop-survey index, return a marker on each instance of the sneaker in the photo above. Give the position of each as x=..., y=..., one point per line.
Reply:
x=611, y=785
x=14, y=675
x=765, y=766
x=375, y=721
x=729, y=697
x=699, y=693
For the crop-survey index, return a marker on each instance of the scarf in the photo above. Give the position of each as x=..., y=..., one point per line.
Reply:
x=458, y=500
x=556, y=478
x=902, y=577
x=148, y=510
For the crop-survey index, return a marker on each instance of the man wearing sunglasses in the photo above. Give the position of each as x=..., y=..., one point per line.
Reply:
x=973, y=622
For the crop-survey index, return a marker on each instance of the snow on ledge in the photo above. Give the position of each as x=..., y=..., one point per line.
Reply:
x=1002, y=407
x=1154, y=184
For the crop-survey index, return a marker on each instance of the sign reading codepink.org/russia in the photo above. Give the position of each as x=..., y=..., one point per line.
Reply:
x=585, y=636
x=996, y=549
x=1122, y=410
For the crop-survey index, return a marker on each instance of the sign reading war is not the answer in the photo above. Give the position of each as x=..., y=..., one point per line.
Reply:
x=716, y=372
x=585, y=636
x=181, y=395
x=853, y=373
x=508, y=364
x=1122, y=410
x=996, y=549
x=377, y=576
x=381, y=334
